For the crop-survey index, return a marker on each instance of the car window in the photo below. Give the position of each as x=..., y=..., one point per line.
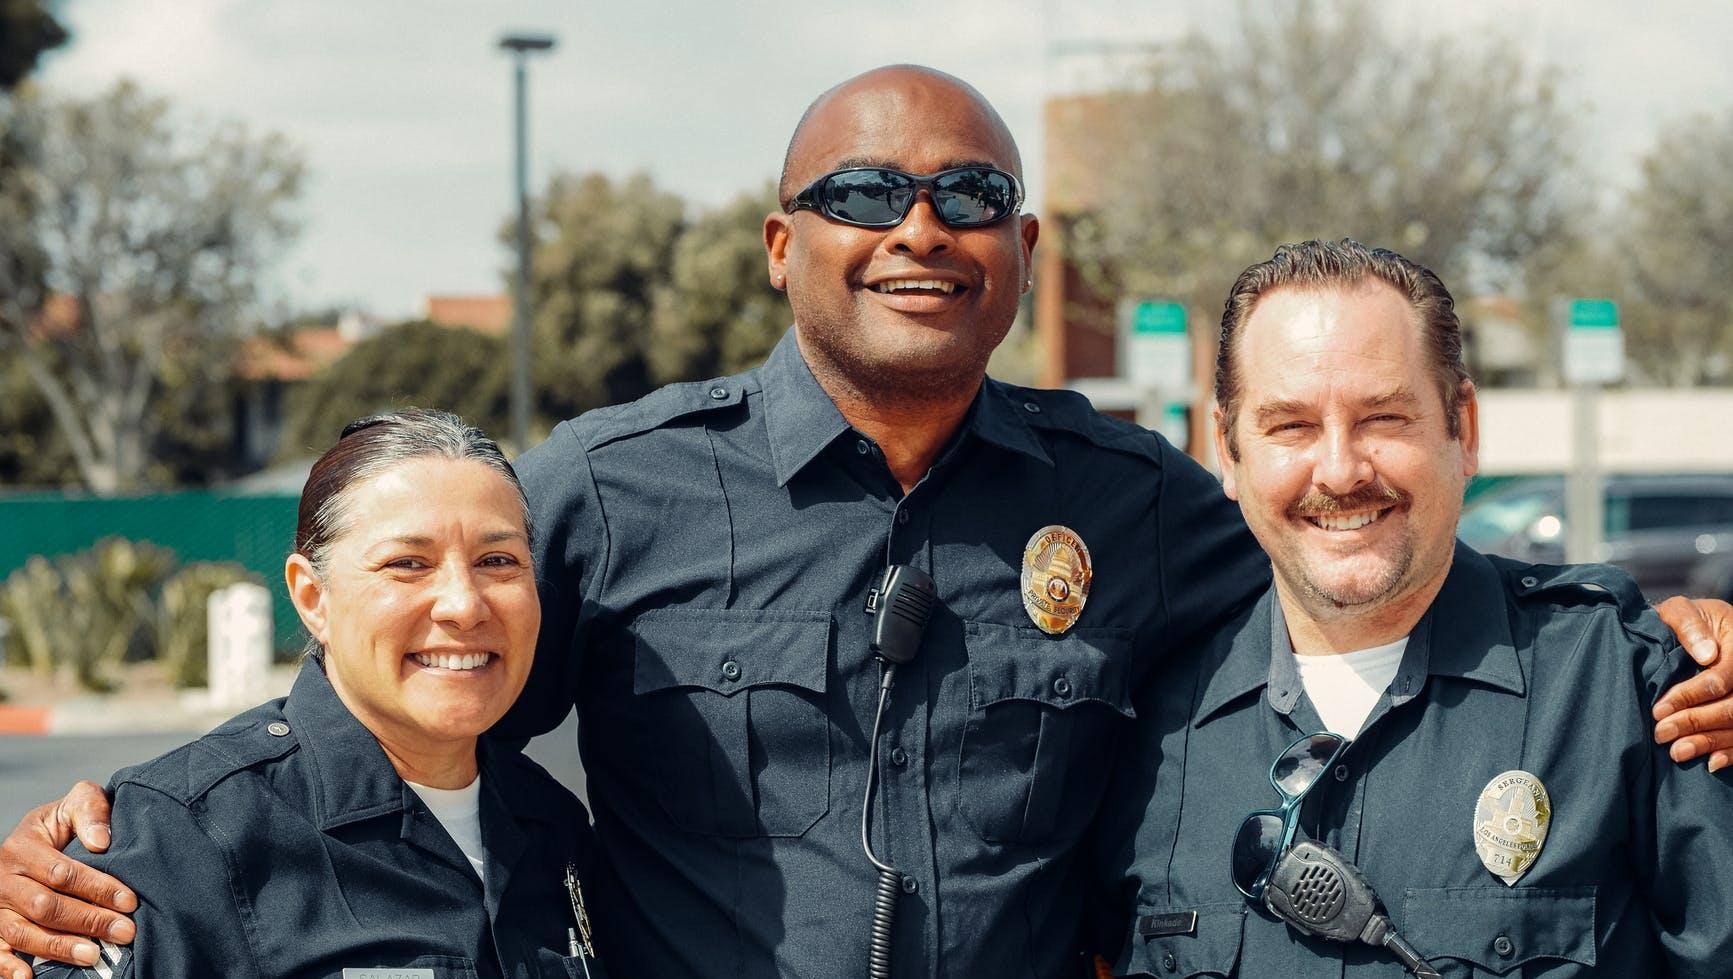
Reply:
x=1489, y=520
x=1656, y=512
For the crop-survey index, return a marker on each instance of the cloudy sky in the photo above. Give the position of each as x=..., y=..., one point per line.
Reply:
x=403, y=107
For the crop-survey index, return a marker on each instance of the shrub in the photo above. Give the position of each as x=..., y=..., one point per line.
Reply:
x=83, y=615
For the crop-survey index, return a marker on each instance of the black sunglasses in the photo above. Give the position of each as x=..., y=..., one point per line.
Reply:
x=1265, y=834
x=879, y=197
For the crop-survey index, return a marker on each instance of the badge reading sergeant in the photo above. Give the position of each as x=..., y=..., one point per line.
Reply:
x=1510, y=822
x=1056, y=575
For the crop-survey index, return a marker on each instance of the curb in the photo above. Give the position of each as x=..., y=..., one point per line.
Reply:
x=24, y=720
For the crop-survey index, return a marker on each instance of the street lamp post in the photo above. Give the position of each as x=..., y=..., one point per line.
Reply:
x=521, y=47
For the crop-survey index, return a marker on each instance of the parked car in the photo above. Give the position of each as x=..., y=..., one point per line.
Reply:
x=1674, y=534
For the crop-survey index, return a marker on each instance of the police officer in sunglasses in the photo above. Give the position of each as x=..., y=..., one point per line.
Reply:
x=1470, y=734
x=709, y=554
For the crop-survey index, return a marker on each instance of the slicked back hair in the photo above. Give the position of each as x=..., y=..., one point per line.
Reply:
x=372, y=446
x=1343, y=264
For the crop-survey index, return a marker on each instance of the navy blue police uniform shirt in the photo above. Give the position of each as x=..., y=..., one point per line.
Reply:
x=1546, y=670
x=283, y=844
x=706, y=555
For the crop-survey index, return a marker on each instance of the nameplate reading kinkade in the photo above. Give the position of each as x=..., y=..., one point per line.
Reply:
x=377, y=973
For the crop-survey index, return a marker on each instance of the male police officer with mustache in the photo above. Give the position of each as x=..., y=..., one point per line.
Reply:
x=1473, y=733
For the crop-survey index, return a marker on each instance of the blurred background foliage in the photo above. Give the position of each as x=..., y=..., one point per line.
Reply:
x=415, y=363
x=1316, y=120
x=76, y=619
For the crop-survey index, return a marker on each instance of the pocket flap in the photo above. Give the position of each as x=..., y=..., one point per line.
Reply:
x=728, y=650
x=1009, y=663
x=1209, y=946
x=1498, y=929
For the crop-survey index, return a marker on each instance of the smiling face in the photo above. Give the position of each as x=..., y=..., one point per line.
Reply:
x=1346, y=471
x=918, y=307
x=427, y=609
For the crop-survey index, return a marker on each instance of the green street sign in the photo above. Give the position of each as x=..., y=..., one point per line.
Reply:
x=1594, y=314
x=1594, y=346
x=1154, y=347
x=1152, y=316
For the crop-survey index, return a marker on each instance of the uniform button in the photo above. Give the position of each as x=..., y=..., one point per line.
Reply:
x=1032, y=408
x=899, y=757
x=862, y=447
x=1170, y=963
x=902, y=516
x=719, y=393
x=730, y=670
x=910, y=885
x=1530, y=581
x=1341, y=773
x=1503, y=947
x=278, y=729
x=1062, y=687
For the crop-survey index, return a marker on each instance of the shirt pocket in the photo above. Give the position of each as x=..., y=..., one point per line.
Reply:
x=1210, y=948
x=553, y=965
x=734, y=707
x=1496, y=931
x=1043, y=713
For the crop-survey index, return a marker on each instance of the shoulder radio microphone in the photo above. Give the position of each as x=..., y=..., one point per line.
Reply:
x=901, y=607
x=1316, y=890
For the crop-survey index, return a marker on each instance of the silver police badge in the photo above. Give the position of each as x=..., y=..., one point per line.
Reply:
x=1056, y=576
x=1510, y=823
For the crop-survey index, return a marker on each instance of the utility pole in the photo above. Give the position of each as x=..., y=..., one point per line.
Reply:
x=522, y=46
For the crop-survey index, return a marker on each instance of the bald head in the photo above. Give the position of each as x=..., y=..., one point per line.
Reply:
x=892, y=83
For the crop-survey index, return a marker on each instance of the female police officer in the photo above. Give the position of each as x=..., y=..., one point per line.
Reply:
x=359, y=828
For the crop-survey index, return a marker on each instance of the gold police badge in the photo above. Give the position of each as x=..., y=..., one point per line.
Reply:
x=1056, y=576
x=1510, y=823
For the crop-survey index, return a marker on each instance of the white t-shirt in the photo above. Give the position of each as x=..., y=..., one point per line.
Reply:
x=1346, y=686
x=459, y=811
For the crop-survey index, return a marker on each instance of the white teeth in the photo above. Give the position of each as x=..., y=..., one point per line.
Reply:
x=1351, y=522
x=895, y=284
x=453, y=661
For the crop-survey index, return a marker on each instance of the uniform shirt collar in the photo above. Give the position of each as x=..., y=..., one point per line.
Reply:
x=353, y=779
x=1471, y=642
x=801, y=420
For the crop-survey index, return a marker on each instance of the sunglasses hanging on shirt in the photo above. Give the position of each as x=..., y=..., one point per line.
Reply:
x=1307, y=884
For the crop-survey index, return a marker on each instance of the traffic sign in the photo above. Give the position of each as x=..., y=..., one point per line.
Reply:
x=1155, y=349
x=1594, y=343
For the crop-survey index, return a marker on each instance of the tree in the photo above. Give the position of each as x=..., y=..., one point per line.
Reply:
x=32, y=451
x=603, y=251
x=1315, y=122
x=718, y=313
x=156, y=233
x=1679, y=249
x=27, y=30
x=420, y=364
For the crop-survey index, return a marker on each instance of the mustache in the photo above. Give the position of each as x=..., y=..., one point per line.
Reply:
x=1317, y=503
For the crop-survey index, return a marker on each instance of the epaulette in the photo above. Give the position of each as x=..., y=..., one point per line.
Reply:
x=188, y=772
x=1072, y=413
x=600, y=426
x=1579, y=585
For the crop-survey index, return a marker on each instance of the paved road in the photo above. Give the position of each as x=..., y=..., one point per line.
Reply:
x=35, y=769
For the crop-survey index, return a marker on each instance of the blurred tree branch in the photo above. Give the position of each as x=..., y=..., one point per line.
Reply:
x=151, y=235
x=1314, y=121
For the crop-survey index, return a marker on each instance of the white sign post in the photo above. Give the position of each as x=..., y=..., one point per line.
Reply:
x=1594, y=355
x=1155, y=356
x=239, y=621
